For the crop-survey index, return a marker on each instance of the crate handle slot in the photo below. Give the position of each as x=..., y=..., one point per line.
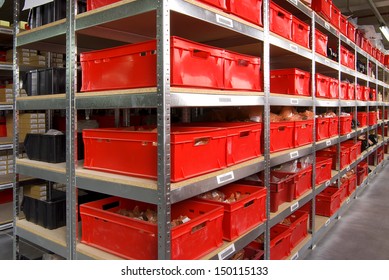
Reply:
x=243, y=62
x=244, y=133
x=110, y=205
x=301, y=27
x=248, y=203
x=200, y=53
x=281, y=128
x=202, y=141
x=281, y=14
x=198, y=227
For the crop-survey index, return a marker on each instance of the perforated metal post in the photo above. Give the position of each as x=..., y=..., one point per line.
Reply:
x=313, y=88
x=71, y=131
x=16, y=189
x=266, y=120
x=163, y=120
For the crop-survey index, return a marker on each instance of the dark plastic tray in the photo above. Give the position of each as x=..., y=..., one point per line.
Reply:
x=48, y=214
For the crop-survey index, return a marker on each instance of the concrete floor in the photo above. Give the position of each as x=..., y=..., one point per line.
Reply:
x=362, y=232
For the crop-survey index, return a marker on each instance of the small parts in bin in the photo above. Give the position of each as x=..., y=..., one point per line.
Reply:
x=221, y=197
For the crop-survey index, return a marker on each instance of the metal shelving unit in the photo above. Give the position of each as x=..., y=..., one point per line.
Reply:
x=6, y=181
x=117, y=24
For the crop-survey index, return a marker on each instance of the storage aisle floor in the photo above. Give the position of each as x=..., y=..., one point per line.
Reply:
x=362, y=232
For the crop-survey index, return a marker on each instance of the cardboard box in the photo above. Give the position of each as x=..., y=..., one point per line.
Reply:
x=37, y=58
x=3, y=172
x=5, y=91
x=5, y=23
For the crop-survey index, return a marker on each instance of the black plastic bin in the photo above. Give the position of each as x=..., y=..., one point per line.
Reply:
x=48, y=214
x=50, y=148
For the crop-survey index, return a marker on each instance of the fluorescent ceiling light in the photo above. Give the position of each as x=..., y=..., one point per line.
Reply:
x=385, y=30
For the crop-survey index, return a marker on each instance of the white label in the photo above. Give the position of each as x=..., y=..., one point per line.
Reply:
x=293, y=1
x=328, y=183
x=328, y=143
x=327, y=25
x=225, y=21
x=225, y=100
x=225, y=177
x=6, y=147
x=348, y=168
x=294, y=206
x=294, y=101
x=348, y=103
x=327, y=222
x=295, y=256
x=348, y=41
x=348, y=200
x=293, y=48
x=348, y=136
x=294, y=154
x=226, y=252
x=326, y=61
x=339, y=217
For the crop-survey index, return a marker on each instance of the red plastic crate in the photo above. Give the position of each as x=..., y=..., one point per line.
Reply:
x=290, y=81
x=372, y=120
x=134, y=65
x=322, y=7
x=246, y=213
x=243, y=139
x=250, y=10
x=351, y=60
x=94, y=4
x=251, y=253
x=352, y=184
x=322, y=128
x=221, y=4
x=350, y=91
x=366, y=93
x=333, y=154
x=344, y=55
x=343, y=25
x=130, y=238
x=373, y=94
x=321, y=43
x=298, y=227
x=280, y=181
x=302, y=180
x=351, y=31
x=386, y=60
x=281, y=136
x=323, y=169
x=242, y=72
x=280, y=21
x=303, y=133
x=280, y=246
x=343, y=191
x=345, y=124
x=300, y=32
x=333, y=91
x=343, y=93
x=362, y=172
x=362, y=119
x=374, y=52
x=352, y=150
x=333, y=126
x=194, y=151
x=6, y=196
x=359, y=92
x=328, y=202
x=363, y=42
x=368, y=47
x=335, y=16
x=322, y=86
